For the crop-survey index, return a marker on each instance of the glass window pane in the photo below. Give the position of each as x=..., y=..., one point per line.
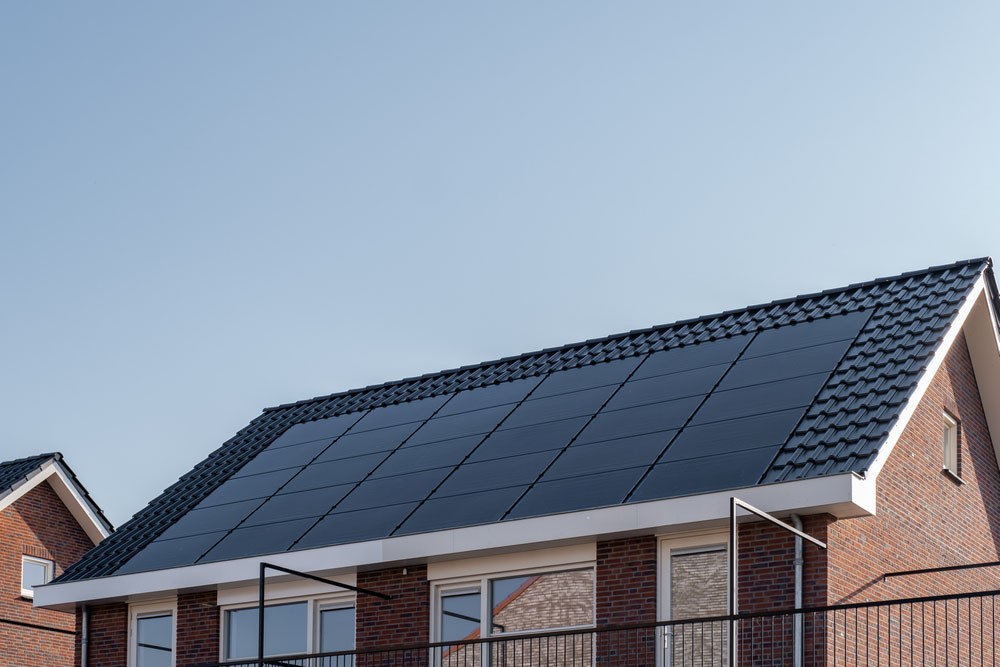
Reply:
x=460, y=614
x=336, y=629
x=699, y=588
x=154, y=641
x=284, y=630
x=542, y=601
x=33, y=573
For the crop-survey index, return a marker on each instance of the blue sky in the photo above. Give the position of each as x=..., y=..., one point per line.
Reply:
x=209, y=208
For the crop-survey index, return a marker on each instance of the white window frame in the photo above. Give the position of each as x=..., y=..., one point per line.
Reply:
x=950, y=446
x=314, y=604
x=147, y=609
x=481, y=583
x=47, y=563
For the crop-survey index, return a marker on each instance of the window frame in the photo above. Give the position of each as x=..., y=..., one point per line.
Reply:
x=148, y=610
x=315, y=603
x=480, y=583
x=47, y=563
x=684, y=544
x=951, y=446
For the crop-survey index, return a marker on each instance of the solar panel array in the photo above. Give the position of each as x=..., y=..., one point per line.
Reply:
x=685, y=420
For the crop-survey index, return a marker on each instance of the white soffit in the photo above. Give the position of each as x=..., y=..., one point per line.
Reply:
x=843, y=496
x=984, y=349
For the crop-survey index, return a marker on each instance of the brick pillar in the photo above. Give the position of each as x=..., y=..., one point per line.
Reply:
x=108, y=634
x=197, y=629
x=626, y=594
x=405, y=619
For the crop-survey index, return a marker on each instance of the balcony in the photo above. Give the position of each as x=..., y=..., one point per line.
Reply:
x=942, y=630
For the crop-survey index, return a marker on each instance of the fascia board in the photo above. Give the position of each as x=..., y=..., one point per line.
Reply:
x=34, y=478
x=984, y=350
x=956, y=326
x=843, y=496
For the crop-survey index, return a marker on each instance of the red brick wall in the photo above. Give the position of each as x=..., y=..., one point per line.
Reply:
x=197, y=629
x=924, y=518
x=626, y=580
x=108, y=636
x=37, y=524
x=405, y=619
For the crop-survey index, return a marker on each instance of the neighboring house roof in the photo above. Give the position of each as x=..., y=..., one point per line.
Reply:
x=20, y=476
x=800, y=388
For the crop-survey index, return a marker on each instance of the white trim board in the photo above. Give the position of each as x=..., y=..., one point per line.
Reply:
x=843, y=496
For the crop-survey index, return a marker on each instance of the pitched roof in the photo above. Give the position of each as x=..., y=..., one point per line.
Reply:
x=792, y=389
x=14, y=474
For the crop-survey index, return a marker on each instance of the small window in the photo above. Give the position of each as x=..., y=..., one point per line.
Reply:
x=34, y=572
x=949, y=443
x=154, y=643
x=284, y=630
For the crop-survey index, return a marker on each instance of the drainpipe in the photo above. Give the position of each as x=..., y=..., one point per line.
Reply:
x=797, y=652
x=84, y=637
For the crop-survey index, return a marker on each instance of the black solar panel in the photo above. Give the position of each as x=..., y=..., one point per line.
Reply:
x=758, y=399
x=705, y=474
x=283, y=457
x=368, y=442
x=528, y=439
x=631, y=452
x=245, y=488
x=785, y=365
x=425, y=457
x=332, y=473
x=732, y=435
x=401, y=413
x=637, y=421
x=692, y=356
x=460, y=425
x=817, y=332
x=496, y=473
x=486, y=397
x=393, y=490
x=465, y=510
x=586, y=377
x=257, y=540
x=162, y=554
x=341, y=527
x=321, y=429
x=299, y=505
x=211, y=519
x=576, y=493
x=560, y=406
x=660, y=388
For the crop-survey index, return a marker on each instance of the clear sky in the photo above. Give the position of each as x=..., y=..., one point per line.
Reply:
x=209, y=208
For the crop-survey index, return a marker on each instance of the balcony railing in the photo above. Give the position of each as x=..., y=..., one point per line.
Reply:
x=942, y=630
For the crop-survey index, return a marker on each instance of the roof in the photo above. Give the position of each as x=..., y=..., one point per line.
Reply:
x=15, y=474
x=793, y=389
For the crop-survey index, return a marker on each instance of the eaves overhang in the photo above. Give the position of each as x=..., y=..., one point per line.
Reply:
x=842, y=496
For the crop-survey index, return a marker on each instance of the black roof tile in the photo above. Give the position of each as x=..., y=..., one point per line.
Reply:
x=839, y=431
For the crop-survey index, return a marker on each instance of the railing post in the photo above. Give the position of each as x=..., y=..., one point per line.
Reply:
x=260, y=617
x=734, y=584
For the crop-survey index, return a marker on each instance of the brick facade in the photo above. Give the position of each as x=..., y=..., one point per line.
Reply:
x=107, y=641
x=197, y=628
x=405, y=619
x=37, y=524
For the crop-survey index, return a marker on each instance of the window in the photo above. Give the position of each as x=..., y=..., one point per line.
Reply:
x=694, y=583
x=34, y=572
x=949, y=443
x=290, y=628
x=495, y=606
x=151, y=635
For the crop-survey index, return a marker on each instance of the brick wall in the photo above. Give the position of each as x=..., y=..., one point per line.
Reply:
x=37, y=524
x=925, y=518
x=626, y=580
x=405, y=619
x=108, y=636
x=197, y=629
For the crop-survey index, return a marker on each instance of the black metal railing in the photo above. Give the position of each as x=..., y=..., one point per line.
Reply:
x=941, y=630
